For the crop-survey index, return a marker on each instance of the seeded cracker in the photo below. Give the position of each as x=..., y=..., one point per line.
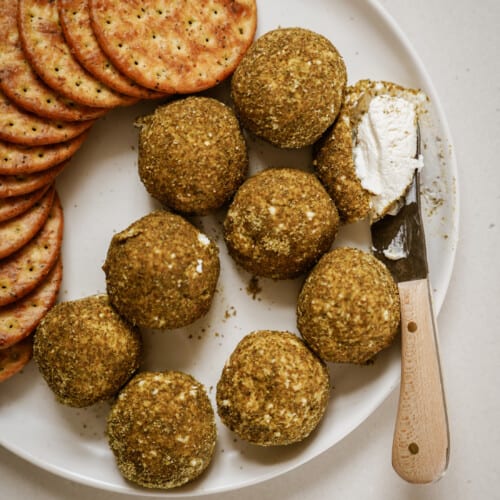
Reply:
x=19, y=319
x=20, y=127
x=24, y=270
x=174, y=46
x=279, y=223
x=22, y=85
x=16, y=232
x=273, y=390
x=49, y=54
x=14, y=185
x=162, y=430
x=16, y=205
x=75, y=21
x=348, y=309
x=16, y=159
x=13, y=359
x=85, y=351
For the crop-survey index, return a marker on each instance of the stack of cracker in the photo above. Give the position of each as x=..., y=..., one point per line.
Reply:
x=64, y=64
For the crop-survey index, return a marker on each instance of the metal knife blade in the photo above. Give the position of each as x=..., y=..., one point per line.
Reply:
x=403, y=235
x=420, y=451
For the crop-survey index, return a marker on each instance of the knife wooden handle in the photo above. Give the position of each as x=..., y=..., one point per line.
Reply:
x=420, y=448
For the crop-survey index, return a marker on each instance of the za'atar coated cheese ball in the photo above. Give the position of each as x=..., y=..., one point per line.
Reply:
x=288, y=88
x=161, y=429
x=161, y=271
x=279, y=223
x=192, y=154
x=85, y=351
x=348, y=309
x=273, y=390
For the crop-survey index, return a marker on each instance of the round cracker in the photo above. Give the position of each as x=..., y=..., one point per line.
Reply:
x=18, y=320
x=16, y=205
x=16, y=232
x=22, y=85
x=16, y=159
x=23, y=271
x=15, y=185
x=20, y=127
x=43, y=42
x=15, y=358
x=75, y=21
x=174, y=46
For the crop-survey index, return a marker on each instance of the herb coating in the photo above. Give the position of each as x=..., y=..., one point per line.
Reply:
x=348, y=309
x=288, y=88
x=161, y=272
x=279, y=223
x=85, y=351
x=161, y=429
x=273, y=390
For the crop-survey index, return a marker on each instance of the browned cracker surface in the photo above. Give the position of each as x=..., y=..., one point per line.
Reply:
x=18, y=320
x=22, y=85
x=13, y=359
x=49, y=54
x=174, y=46
x=15, y=185
x=21, y=127
x=15, y=205
x=16, y=232
x=16, y=159
x=23, y=271
x=75, y=21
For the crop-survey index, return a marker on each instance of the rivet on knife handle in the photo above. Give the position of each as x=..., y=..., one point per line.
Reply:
x=421, y=438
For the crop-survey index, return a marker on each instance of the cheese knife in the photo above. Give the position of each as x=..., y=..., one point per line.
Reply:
x=420, y=451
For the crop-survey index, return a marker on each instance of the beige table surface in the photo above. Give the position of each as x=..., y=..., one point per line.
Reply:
x=459, y=42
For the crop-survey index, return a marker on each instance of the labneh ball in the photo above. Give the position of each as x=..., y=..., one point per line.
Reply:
x=288, y=87
x=280, y=222
x=161, y=272
x=348, y=309
x=374, y=189
x=85, y=351
x=161, y=429
x=192, y=154
x=273, y=390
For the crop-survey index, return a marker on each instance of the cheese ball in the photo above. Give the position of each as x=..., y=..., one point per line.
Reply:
x=273, y=390
x=348, y=309
x=279, y=223
x=85, y=351
x=192, y=154
x=162, y=430
x=161, y=272
x=334, y=161
x=288, y=87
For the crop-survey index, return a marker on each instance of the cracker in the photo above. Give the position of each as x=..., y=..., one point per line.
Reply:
x=16, y=205
x=21, y=127
x=16, y=232
x=174, y=46
x=19, y=319
x=23, y=271
x=16, y=159
x=15, y=185
x=46, y=49
x=75, y=21
x=15, y=358
x=22, y=85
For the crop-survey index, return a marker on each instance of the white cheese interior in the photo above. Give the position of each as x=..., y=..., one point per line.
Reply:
x=384, y=154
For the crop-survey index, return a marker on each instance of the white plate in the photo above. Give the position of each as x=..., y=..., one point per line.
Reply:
x=101, y=194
